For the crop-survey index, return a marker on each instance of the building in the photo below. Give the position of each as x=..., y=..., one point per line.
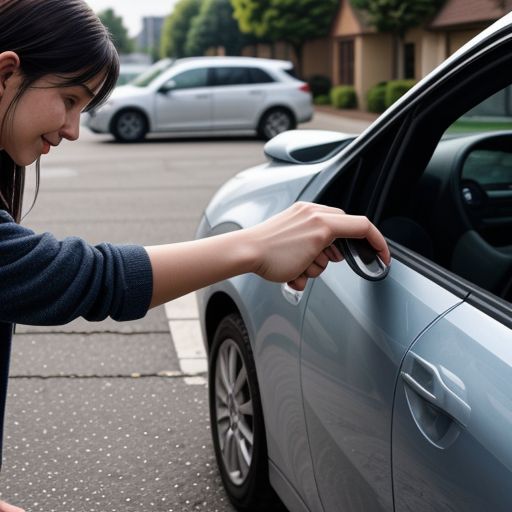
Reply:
x=149, y=38
x=354, y=53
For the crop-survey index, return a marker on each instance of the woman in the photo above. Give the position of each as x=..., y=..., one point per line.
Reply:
x=56, y=60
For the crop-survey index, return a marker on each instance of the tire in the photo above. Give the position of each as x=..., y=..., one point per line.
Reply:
x=243, y=465
x=129, y=126
x=274, y=122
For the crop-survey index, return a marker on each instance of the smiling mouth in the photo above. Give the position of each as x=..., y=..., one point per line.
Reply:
x=46, y=146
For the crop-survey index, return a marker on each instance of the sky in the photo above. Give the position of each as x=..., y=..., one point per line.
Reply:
x=132, y=11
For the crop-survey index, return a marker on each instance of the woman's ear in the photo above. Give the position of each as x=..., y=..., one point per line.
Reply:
x=9, y=64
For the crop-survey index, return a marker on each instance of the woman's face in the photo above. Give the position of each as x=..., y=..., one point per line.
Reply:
x=45, y=114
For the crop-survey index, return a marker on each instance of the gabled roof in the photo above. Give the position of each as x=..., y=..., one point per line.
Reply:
x=470, y=12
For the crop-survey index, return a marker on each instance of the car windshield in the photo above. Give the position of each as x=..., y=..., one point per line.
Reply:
x=152, y=72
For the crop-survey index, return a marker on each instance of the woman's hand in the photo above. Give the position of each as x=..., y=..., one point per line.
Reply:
x=297, y=243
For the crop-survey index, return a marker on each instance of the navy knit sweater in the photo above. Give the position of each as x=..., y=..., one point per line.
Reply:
x=44, y=281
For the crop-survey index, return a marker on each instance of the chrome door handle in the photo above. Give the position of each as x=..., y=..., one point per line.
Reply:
x=291, y=295
x=425, y=380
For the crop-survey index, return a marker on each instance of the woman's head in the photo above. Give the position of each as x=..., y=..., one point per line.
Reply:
x=50, y=51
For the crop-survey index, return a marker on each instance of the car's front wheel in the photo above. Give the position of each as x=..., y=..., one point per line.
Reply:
x=238, y=429
x=274, y=122
x=129, y=126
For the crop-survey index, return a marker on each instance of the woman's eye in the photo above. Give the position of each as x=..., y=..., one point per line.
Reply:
x=70, y=102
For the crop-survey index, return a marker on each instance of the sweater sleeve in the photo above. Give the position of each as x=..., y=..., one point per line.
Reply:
x=44, y=281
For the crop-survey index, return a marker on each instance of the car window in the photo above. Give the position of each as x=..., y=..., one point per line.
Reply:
x=291, y=72
x=458, y=213
x=231, y=75
x=153, y=72
x=259, y=76
x=494, y=113
x=190, y=79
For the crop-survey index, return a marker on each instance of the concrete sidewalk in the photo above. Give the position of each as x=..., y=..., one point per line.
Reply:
x=354, y=114
x=347, y=121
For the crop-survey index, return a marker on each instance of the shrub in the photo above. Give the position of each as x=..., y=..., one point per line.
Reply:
x=320, y=85
x=376, y=98
x=395, y=89
x=322, y=99
x=343, y=96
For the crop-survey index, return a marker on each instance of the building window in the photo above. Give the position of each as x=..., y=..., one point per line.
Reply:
x=409, y=60
x=346, y=49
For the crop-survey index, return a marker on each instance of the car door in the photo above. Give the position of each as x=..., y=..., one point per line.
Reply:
x=239, y=94
x=452, y=419
x=354, y=337
x=184, y=102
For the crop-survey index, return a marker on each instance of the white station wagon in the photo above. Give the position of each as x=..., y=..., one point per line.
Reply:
x=204, y=95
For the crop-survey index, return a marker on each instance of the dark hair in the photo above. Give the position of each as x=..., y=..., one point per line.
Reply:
x=63, y=38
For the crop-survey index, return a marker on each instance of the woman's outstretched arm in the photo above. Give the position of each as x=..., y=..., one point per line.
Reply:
x=289, y=247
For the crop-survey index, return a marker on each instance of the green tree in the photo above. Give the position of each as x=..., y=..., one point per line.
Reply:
x=396, y=17
x=119, y=32
x=176, y=28
x=292, y=21
x=215, y=26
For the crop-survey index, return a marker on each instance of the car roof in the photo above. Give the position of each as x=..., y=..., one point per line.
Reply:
x=235, y=61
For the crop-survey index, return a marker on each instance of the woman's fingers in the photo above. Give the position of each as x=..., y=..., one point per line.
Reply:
x=333, y=253
x=297, y=284
x=355, y=226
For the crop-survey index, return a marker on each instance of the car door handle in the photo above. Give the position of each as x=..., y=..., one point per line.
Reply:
x=202, y=96
x=256, y=93
x=426, y=381
x=291, y=295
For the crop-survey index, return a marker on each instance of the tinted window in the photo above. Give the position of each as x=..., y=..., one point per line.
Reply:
x=258, y=76
x=191, y=78
x=231, y=76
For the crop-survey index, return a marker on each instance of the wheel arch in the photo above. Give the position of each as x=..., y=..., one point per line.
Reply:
x=219, y=306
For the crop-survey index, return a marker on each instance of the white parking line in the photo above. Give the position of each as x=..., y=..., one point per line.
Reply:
x=183, y=318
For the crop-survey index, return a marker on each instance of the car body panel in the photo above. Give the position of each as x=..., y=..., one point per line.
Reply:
x=355, y=335
x=269, y=188
x=183, y=109
x=465, y=467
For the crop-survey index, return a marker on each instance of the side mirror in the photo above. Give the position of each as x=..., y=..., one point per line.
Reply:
x=362, y=258
x=167, y=87
x=306, y=146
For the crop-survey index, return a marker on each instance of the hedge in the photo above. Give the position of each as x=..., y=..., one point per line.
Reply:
x=384, y=94
x=322, y=99
x=376, y=98
x=343, y=96
x=320, y=85
x=395, y=89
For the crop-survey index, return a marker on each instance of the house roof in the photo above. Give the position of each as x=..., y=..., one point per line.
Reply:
x=470, y=12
